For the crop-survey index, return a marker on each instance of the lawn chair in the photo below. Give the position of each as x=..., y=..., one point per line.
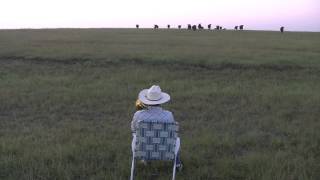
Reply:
x=155, y=141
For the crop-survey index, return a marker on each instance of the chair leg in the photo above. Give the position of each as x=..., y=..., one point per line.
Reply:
x=133, y=144
x=175, y=158
x=174, y=168
x=132, y=168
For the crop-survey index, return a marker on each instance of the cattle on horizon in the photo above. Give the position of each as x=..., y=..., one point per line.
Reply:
x=194, y=27
x=200, y=26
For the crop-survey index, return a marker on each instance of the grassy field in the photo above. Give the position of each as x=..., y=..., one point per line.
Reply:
x=248, y=102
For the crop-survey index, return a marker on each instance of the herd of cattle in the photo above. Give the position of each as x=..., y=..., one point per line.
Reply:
x=200, y=27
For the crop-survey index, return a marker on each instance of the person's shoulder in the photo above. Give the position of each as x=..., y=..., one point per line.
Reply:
x=169, y=114
x=139, y=112
x=167, y=111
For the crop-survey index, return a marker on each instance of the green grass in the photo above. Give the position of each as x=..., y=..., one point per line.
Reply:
x=248, y=102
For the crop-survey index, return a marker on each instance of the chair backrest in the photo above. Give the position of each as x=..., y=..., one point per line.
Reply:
x=156, y=140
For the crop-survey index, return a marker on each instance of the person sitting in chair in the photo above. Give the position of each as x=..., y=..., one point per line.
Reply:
x=149, y=109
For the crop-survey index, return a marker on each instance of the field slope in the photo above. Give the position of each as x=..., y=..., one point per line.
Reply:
x=248, y=102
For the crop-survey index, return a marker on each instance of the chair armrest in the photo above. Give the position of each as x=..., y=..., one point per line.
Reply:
x=133, y=144
x=177, y=146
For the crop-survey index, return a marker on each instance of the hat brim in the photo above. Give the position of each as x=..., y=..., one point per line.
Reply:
x=143, y=97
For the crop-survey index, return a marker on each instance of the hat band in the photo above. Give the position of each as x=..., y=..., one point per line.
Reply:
x=153, y=99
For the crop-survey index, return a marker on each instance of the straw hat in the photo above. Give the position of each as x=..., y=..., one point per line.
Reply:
x=153, y=96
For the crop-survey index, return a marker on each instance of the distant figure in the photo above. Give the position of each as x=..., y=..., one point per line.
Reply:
x=194, y=27
x=209, y=26
x=236, y=28
x=137, y=26
x=189, y=27
x=200, y=26
x=179, y=26
x=156, y=27
x=241, y=27
x=220, y=28
x=282, y=29
x=168, y=26
x=217, y=28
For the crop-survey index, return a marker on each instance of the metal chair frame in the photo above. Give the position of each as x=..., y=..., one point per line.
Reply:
x=151, y=134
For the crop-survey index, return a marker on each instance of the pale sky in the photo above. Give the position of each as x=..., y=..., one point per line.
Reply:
x=295, y=15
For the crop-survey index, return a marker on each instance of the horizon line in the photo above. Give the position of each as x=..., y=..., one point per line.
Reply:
x=171, y=28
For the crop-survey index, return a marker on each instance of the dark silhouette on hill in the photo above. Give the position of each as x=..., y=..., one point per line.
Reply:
x=218, y=27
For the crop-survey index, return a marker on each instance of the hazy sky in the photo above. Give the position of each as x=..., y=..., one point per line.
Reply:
x=295, y=15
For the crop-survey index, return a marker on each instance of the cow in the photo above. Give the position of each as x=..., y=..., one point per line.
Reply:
x=189, y=27
x=200, y=26
x=156, y=26
x=194, y=27
x=137, y=26
x=241, y=27
x=209, y=26
x=179, y=26
x=282, y=29
x=236, y=28
x=168, y=26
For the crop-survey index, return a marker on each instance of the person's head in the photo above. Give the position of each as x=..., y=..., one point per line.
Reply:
x=153, y=96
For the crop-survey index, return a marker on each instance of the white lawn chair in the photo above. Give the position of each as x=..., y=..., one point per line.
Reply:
x=155, y=141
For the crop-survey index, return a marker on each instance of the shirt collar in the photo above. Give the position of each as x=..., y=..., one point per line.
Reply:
x=154, y=108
